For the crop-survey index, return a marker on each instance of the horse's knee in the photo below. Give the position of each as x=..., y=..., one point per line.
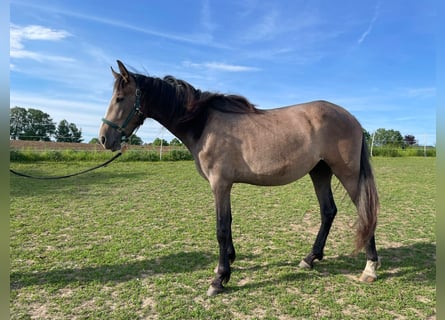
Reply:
x=328, y=214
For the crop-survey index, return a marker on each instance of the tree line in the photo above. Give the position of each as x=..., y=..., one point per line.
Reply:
x=135, y=140
x=390, y=138
x=36, y=125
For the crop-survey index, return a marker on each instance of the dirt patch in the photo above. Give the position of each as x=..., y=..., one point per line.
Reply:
x=38, y=311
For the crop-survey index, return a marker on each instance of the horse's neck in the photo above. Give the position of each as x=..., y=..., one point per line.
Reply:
x=156, y=103
x=167, y=115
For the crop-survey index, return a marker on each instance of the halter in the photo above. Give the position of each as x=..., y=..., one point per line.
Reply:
x=135, y=111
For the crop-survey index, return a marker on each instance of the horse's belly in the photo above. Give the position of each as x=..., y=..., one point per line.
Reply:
x=273, y=175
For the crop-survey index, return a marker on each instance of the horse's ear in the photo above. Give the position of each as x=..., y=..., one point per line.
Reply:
x=123, y=71
x=115, y=74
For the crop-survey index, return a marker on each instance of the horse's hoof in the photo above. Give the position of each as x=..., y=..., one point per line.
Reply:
x=213, y=291
x=304, y=265
x=369, y=275
x=367, y=278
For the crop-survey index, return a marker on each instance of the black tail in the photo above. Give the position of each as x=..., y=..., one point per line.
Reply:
x=367, y=201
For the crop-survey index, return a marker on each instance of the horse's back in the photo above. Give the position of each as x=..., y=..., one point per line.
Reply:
x=316, y=116
x=319, y=128
x=278, y=146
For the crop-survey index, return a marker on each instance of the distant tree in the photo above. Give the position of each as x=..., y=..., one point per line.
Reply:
x=409, y=140
x=68, y=132
x=94, y=141
x=176, y=142
x=41, y=126
x=135, y=140
x=384, y=137
x=76, y=133
x=157, y=142
x=31, y=124
x=63, y=132
x=17, y=122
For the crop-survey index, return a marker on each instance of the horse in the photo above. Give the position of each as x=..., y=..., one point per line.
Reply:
x=232, y=141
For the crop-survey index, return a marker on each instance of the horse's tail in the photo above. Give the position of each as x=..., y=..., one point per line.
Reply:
x=367, y=201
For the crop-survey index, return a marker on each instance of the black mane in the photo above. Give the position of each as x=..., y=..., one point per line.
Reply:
x=186, y=108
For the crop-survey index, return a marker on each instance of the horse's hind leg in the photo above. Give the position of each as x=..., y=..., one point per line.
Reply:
x=372, y=262
x=321, y=177
x=372, y=259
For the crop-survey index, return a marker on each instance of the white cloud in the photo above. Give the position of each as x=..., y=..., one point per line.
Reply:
x=265, y=28
x=370, y=26
x=219, y=66
x=204, y=39
x=19, y=35
x=35, y=32
x=421, y=92
x=207, y=22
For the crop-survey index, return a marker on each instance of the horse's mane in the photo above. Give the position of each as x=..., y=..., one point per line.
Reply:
x=189, y=107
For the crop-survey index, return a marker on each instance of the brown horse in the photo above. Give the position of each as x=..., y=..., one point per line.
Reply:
x=232, y=141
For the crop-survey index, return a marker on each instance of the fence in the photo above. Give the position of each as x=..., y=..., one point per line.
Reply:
x=412, y=151
x=394, y=147
x=22, y=150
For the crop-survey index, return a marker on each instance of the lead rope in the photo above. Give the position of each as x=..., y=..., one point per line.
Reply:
x=73, y=174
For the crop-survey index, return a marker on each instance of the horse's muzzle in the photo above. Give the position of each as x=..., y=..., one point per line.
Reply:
x=109, y=138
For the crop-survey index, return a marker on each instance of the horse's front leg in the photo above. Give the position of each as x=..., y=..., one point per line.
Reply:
x=224, y=236
x=230, y=250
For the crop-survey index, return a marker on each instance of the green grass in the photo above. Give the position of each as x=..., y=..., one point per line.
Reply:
x=137, y=240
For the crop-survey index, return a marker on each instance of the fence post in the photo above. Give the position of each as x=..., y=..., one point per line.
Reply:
x=372, y=141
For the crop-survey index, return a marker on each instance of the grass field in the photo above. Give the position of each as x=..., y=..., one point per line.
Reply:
x=137, y=240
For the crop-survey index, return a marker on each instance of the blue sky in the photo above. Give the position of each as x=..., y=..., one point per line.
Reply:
x=375, y=58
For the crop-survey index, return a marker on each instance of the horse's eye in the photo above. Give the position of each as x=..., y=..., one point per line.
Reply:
x=119, y=99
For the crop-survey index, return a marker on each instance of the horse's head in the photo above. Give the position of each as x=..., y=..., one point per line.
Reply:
x=124, y=113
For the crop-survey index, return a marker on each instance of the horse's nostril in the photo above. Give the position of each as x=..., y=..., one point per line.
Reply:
x=103, y=140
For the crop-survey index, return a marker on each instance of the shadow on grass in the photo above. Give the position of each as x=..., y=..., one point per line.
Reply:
x=416, y=262
x=180, y=262
x=412, y=263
